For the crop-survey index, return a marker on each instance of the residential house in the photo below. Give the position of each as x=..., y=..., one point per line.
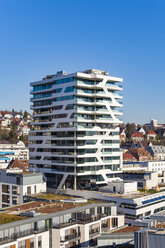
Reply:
x=151, y=135
x=137, y=136
x=157, y=152
x=141, y=130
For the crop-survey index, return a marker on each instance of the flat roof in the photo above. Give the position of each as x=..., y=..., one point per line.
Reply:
x=47, y=210
x=127, y=229
x=133, y=195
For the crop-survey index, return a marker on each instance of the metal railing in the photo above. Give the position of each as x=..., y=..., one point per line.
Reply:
x=70, y=236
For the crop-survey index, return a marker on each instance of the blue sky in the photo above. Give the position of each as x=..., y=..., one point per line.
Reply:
x=124, y=37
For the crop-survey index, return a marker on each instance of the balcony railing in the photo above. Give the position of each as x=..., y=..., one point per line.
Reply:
x=14, y=237
x=104, y=225
x=70, y=236
x=82, y=220
x=94, y=231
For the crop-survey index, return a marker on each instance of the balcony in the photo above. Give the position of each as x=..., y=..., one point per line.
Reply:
x=62, y=225
x=94, y=231
x=14, y=237
x=70, y=237
x=81, y=220
x=104, y=225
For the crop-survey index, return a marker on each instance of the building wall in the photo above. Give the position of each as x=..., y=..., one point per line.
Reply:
x=44, y=236
x=89, y=102
x=146, y=239
x=59, y=225
x=130, y=213
x=120, y=187
x=11, y=193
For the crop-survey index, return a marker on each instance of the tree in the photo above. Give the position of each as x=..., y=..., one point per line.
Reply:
x=25, y=115
x=13, y=136
x=22, y=138
x=21, y=112
x=128, y=130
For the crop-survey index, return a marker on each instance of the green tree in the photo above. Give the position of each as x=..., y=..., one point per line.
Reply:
x=128, y=130
x=25, y=114
x=13, y=136
x=22, y=138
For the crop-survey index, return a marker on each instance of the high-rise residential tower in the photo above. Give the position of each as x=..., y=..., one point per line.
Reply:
x=74, y=139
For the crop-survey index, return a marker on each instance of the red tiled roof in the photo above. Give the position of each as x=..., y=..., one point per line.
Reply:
x=128, y=156
x=151, y=132
x=137, y=134
x=19, y=164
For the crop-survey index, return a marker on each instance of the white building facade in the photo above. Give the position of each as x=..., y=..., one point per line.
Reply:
x=16, y=151
x=14, y=185
x=75, y=138
x=75, y=227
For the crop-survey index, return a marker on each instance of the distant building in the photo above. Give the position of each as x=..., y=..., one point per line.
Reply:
x=141, y=130
x=137, y=136
x=151, y=135
x=120, y=187
x=157, y=151
x=122, y=136
x=128, y=157
x=143, y=178
x=155, y=166
x=132, y=205
x=19, y=164
x=139, y=154
x=8, y=116
x=15, y=151
x=23, y=130
x=5, y=158
x=153, y=123
x=15, y=184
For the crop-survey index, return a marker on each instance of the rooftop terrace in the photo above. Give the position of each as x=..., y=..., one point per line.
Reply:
x=126, y=229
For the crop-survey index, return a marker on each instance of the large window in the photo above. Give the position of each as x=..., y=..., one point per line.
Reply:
x=40, y=242
x=64, y=80
x=29, y=189
x=5, y=188
x=114, y=222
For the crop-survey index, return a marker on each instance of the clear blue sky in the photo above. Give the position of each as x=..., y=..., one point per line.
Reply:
x=124, y=37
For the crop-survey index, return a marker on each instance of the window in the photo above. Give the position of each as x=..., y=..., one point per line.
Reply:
x=5, y=188
x=69, y=89
x=29, y=189
x=32, y=243
x=40, y=242
x=22, y=244
x=64, y=80
x=15, y=200
x=15, y=190
x=18, y=181
x=5, y=198
x=114, y=222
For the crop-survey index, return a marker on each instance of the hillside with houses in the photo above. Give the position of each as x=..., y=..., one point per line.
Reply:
x=14, y=126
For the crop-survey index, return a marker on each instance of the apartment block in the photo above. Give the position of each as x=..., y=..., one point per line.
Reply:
x=9, y=152
x=15, y=184
x=74, y=139
x=59, y=225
